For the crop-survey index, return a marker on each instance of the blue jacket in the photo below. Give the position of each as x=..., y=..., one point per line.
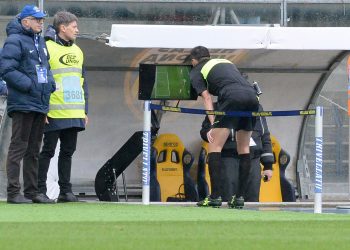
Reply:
x=58, y=123
x=3, y=87
x=18, y=62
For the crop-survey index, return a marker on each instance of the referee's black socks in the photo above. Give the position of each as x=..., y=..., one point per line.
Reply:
x=244, y=169
x=215, y=166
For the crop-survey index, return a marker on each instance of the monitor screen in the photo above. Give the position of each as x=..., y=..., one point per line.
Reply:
x=165, y=82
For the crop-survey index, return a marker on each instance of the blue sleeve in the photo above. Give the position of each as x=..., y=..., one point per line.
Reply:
x=11, y=56
x=3, y=88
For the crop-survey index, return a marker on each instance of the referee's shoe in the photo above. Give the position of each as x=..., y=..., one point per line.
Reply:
x=236, y=202
x=210, y=202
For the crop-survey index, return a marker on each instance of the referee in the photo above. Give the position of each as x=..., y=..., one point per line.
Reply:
x=221, y=78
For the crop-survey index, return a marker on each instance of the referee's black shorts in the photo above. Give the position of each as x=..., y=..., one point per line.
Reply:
x=239, y=101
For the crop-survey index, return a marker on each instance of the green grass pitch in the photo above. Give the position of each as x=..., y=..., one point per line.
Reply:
x=130, y=226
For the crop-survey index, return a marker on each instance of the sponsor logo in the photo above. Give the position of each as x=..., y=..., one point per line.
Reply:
x=69, y=59
x=170, y=144
x=262, y=113
x=319, y=162
x=169, y=169
x=308, y=112
x=145, y=157
x=173, y=109
x=179, y=55
x=209, y=112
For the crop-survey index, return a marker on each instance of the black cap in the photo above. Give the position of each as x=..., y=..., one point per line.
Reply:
x=199, y=52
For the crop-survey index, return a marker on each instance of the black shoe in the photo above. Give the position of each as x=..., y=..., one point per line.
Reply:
x=236, y=202
x=67, y=197
x=210, y=202
x=42, y=198
x=18, y=199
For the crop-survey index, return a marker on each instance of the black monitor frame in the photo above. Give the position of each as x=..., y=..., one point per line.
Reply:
x=147, y=81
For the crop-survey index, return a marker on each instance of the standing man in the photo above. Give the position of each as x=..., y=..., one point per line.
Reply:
x=24, y=66
x=260, y=152
x=221, y=78
x=68, y=104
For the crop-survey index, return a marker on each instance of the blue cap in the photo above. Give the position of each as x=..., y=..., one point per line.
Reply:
x=31, y=10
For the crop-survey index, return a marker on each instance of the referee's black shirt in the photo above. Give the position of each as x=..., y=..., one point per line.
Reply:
x=222, y=78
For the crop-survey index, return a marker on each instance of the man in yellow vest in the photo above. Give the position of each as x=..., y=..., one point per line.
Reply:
x=68, y=104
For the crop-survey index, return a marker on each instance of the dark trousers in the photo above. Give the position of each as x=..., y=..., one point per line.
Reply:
x=68, y=140
x=27, y=133
x=230, y=179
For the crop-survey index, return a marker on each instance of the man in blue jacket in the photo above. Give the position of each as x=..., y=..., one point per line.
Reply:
x=25, y=68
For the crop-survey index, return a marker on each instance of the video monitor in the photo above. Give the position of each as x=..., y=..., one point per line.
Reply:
x=165, y=82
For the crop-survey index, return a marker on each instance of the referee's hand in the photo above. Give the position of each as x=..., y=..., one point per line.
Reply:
x=268, y=174
x=210, y=137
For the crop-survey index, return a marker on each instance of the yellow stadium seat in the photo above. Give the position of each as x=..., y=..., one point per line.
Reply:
x=271, y=191
x=170, y=171
x=278, y=189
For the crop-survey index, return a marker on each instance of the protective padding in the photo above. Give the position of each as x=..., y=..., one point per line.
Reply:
x=287, y=189
x=203, y=177
x=171, y=167
x=271, y=191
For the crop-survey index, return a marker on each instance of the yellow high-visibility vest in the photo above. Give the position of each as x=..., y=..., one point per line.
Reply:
x=66, y=66
x=210, y=64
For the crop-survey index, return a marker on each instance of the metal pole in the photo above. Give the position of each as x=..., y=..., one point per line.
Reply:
x=284, y=18
x=146, y=153
x=223, y=15
x=234, y=18
x=41, y=7
x=124, y=186
x=216, y=16
x=41, y=4
x=318, y=160
x=115, y=191
x=348, y=76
